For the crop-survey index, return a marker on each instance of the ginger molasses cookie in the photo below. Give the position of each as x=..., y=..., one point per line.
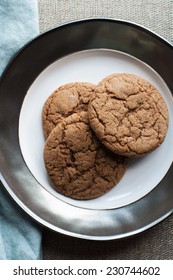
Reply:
x=67, y=99
x=77, y=163
x=128, y=115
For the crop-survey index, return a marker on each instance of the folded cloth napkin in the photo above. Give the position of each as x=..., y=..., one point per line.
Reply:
x=20, y=236
x=18, y=25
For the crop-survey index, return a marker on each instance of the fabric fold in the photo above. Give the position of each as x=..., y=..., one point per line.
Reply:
x=19, y=24
x=20, y=235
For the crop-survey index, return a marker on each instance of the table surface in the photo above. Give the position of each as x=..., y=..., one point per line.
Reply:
x=157, y=242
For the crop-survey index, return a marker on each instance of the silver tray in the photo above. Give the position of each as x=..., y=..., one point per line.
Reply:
x=26, y=66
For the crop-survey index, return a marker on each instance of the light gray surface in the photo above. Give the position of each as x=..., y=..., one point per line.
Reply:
x=156, y=243
x=155, y=14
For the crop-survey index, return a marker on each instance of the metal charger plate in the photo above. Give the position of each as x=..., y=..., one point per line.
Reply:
x=20, y=183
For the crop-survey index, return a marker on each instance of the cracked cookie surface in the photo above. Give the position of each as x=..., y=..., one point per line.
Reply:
x=77, y=163
x=128, y=115
x=67, y=99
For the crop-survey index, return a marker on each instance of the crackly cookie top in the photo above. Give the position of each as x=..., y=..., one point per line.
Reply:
x=128, y=115
x=77, y=163
x=67, y=99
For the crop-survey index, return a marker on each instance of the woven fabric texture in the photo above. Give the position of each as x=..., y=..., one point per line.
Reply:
x=157, y=15
x=154, y=244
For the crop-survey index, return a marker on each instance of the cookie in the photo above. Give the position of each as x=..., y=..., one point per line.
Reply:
x=128, y=115
x=77, y=163
x=67, y=99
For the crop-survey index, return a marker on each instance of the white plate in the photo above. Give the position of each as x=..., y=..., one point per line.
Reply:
x=142, y=174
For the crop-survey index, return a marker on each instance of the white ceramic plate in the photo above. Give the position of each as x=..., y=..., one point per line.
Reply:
x=91, y=66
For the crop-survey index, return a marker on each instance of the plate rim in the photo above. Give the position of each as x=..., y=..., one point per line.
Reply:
x=94, y=19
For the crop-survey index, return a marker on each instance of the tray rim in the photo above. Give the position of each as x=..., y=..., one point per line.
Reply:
x=5, y=179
